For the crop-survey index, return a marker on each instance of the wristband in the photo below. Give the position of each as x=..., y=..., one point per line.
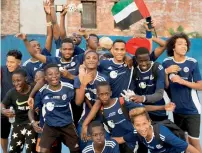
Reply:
x=48, y=24
x=148, y=34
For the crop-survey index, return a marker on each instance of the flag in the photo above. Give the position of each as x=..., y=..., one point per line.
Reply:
x=127, y=12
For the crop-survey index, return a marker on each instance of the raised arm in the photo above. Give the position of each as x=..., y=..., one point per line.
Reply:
x=62, y=23
x=49, y=37
x=161, y=48
x=56, y=29
x=30, y=49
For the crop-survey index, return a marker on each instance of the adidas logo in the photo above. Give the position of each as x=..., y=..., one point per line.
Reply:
x=110, y=68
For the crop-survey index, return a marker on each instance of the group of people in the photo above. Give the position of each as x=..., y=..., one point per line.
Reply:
x=101, y=99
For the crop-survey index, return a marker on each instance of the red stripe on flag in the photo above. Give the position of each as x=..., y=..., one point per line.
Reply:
x=142, y=8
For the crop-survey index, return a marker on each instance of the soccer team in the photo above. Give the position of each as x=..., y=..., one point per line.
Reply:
x=100, y=99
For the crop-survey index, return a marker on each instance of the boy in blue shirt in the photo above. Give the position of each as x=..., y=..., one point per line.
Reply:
x=54, y=99
x=144, y=129
x=183, y=79
x=33, y=64
x=117, y=117
x=85, y=85
x=149, y=83
x=100, y=143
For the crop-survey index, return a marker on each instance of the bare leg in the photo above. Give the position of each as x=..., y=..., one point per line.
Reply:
x=195, y=143
x=4, y=145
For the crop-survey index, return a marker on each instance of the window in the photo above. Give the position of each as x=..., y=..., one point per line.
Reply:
x=88, y=18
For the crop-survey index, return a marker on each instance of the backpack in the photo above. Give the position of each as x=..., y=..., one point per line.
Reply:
x=154, y=71
x=123, y=108
x=171, y=126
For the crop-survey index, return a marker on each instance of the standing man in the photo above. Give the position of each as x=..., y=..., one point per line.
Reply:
x=13, y=62
x=183, y=79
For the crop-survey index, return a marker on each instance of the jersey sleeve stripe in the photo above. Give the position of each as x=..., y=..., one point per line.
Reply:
x=196, y=100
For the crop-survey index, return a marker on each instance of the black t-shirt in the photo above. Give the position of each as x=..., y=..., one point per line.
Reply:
x=19, y=103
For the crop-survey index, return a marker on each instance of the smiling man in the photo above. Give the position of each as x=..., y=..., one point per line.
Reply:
x=12, y=63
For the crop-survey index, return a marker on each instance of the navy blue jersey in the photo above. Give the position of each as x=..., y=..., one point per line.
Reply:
x=146, y=84
x=111, y=146
x=32, y=66
x=186, y=99
x=172, y=144
x=120, y=75
x=77, y=49
x=72, y=66
x=120, y=125
x=116, y=120
x=90, y=91
x=55, y=105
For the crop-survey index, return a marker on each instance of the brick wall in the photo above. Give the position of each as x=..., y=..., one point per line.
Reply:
x=10, y=22
x=167, y=13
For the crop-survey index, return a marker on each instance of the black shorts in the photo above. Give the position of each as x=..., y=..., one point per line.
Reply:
x=67, y=135
x=5, y=127
x=189, y=124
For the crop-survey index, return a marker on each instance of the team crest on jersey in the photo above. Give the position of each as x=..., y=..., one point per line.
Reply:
x=113, y=74
x=186, y=69
x=64, y=97
x=125, y=65
x=159, y=146
x=120, y=111
x=50, y=106
x=73, y=63
x=111, y=123
x=142, y=85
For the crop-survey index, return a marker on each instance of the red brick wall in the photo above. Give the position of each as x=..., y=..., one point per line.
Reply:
x=10, y=13
x=167, y=13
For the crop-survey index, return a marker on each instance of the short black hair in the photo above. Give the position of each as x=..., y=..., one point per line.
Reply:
x=15, y=53
x=68, y=40
x=141, y=51
x=32, y=40
x=91, y=51
x=94, y=124
x=94, y=35
x=172, y=40
x=50, y=66
x=20, y=71
x=118, y=41
x=103, y=83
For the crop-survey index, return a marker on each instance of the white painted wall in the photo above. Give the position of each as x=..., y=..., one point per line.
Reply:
x=32, y=16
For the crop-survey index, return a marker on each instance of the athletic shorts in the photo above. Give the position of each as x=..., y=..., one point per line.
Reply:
x=157, y=118
x=5, y=127
x=189, y=124
x=66, y=134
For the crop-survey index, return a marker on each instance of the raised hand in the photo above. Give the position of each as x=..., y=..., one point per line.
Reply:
x=127, y=94
x=64, y=10
x=21, y=36
x=46, y=7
